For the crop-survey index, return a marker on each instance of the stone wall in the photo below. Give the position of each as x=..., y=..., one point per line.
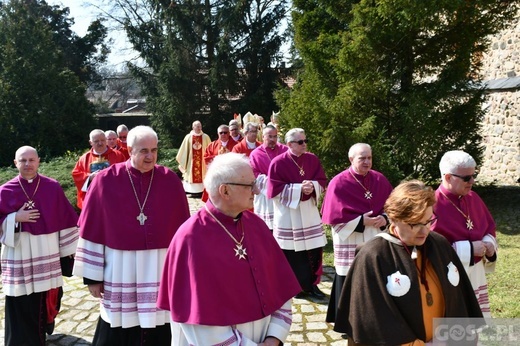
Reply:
x=501, y=125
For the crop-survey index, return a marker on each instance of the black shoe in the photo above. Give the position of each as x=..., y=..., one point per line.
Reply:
x=49, y=328
x=301, y=295
x=316, y=292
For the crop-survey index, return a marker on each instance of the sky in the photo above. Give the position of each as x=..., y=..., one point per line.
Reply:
x=83, y=14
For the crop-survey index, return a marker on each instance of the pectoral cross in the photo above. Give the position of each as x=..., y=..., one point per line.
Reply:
x=141, y=218
x=368, y=194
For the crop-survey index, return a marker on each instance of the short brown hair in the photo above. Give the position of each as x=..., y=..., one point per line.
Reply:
x=408, y=201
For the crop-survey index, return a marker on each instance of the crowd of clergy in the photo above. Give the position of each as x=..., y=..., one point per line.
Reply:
x=227, y=274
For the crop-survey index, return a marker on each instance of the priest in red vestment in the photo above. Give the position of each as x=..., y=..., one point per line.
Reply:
x=39, y=234
x=113, y=143
x=224, y=144
x=99, y=157
x=122, y=133
x=466, y=222
x=295, y=182
x=249, y=143
x=122, y=246
x=225, y=280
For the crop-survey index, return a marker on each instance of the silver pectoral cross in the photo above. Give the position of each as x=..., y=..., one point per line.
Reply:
x=368, y=194
x=141, y=218
x=469, y=224
x=31, y=204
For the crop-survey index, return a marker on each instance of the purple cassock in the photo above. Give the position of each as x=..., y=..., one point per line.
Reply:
x=204, y=282
x=287, y=168
x=261, y=158
x=453, y=225
x=345, y=198
x=115, y=224
x=56, y=212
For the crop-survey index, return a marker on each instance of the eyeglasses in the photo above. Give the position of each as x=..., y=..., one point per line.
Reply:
x=465, y=178
x=122, y=137
x=301, y=141
x=422, y=225
x=223, y=133
x=233, y=129
x=252, y=185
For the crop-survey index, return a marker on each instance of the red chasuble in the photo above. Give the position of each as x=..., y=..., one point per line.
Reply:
x=90, y=162
x=242, y=148
x=205, y=283
x=215, y=148
x=196, y=169
x=116, y=225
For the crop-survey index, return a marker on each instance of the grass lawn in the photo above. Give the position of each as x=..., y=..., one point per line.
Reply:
x=503, y=202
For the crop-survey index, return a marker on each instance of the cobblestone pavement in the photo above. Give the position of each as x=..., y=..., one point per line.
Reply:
x=79, y=313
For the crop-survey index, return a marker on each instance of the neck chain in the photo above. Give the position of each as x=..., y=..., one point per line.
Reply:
x=141, y=217
x=30, y=201
x=240, y=250
x=368, y=194
x=267, y=154
x=302, y=172
x=422, y=271
x=469, y=223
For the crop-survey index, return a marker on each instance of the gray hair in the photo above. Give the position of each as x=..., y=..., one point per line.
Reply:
x=140, y=132
x=233, y=122
x=291, y=134
x=196, y=122
x=356, y=148
x=221, y=127
x=249, y=125
x=223, y=169
x=454, y=159
x=110, y=132
x=122, y=128
x=95, y=132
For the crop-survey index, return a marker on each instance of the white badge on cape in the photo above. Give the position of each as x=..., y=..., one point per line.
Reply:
x=398, y=284
x=453, y=274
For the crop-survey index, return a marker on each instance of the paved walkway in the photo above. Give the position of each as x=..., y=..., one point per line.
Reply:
x=77, y=320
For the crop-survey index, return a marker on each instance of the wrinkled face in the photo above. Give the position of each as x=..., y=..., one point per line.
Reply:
x=295, y=146
x=197, y=128
x=144, y=154
x=415, y=234
x=251, y=134
x=223, y=134
x=122, y=136
x=233, y=129
x=242, y=194
x=112, y=140
x=362, y=160
x=27, y=163
x=456, y=183
x=99, y=142
x=270, y=138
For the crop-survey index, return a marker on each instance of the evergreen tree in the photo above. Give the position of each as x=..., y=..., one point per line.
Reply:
x=399, y=75
x=198, y=55
x=42, y=101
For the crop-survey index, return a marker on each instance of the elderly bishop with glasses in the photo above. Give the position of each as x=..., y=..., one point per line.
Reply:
x=295, y=182
x=225, y=280
x=466, y=222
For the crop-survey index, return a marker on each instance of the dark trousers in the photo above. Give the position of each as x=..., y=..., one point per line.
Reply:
x=25, y=320
x=335, y=294
x=306, y=265
x=135, y=336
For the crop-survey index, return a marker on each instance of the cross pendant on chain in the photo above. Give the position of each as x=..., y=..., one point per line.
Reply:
x=141, y=218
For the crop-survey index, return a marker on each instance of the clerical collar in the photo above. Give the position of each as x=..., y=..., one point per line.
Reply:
x=236, y=219
x=30, y=181
x=224, y=143
x=236, y=138
x=96, y=153
x=355, y=172
x=250, y=145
